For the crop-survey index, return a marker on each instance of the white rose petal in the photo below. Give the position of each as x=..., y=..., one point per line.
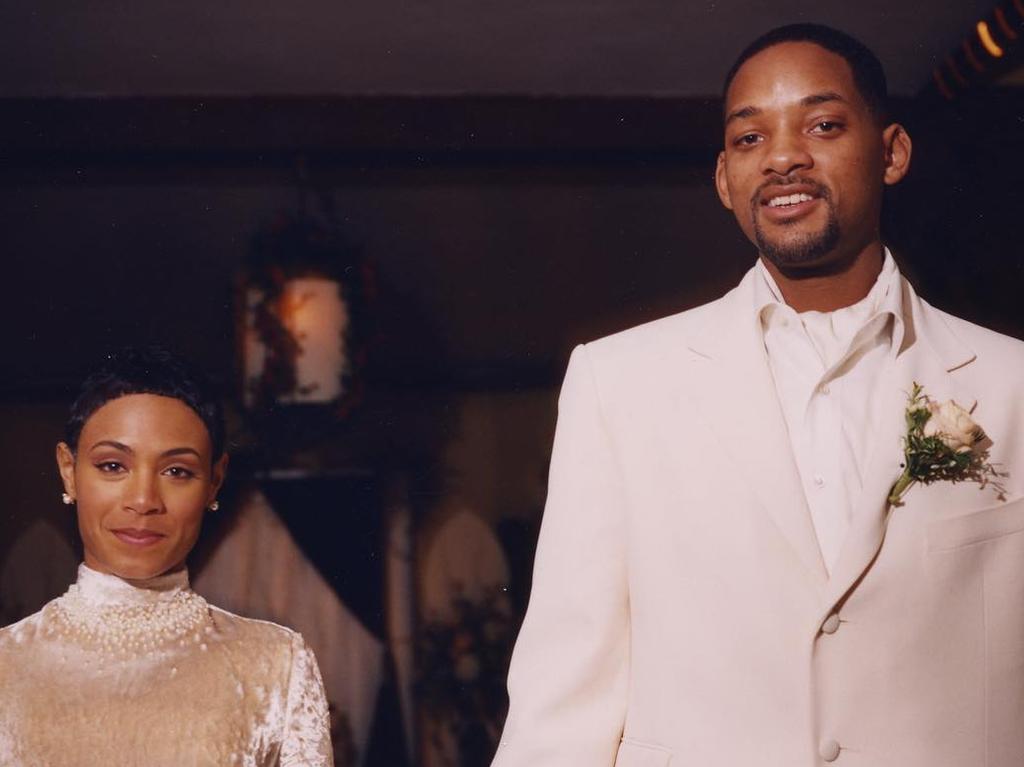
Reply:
x=953, y=425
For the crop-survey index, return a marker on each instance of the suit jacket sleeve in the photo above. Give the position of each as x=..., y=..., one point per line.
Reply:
x=569, y=675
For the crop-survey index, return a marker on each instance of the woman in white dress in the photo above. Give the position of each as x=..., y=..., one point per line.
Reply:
x=130, y=666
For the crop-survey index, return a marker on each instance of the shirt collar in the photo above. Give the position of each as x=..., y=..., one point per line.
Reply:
x=104, y=589
x=884, y=298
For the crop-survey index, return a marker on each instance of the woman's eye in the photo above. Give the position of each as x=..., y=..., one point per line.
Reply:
x=179, y=472
x=109, y=467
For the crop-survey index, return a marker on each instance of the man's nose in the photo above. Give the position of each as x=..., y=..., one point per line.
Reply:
x=142, y=495
x=786, y=153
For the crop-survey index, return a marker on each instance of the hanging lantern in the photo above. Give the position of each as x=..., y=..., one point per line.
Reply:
x=310, y=363
x=302, y=295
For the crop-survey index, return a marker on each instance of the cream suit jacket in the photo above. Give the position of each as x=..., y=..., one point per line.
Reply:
x=681, y=615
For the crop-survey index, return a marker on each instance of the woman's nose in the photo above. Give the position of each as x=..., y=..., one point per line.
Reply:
x=142, y=494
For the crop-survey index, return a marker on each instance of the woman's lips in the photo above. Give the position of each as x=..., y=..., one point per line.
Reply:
x=136, y=537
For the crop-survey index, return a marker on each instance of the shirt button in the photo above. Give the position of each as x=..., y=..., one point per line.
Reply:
x=828, y=750
x=819, y=480
x=831, y=624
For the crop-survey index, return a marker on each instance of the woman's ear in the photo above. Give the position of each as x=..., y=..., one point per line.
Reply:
x=66, y=467
x=220, y=470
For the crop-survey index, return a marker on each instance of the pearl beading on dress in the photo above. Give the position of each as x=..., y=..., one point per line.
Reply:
x=131, y=629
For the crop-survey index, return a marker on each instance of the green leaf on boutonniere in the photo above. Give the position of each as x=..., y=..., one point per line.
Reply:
x=942, y=444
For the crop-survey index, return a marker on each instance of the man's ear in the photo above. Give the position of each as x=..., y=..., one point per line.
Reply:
x=897, y=153
x=720, y=183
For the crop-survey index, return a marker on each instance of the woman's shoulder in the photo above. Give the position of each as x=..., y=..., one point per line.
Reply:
x=266, y=633
x=23, y=640
x=27, y=628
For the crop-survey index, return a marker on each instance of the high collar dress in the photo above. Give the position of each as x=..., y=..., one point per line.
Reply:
x=147, y=673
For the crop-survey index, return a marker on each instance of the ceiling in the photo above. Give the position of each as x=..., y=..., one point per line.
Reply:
x=327, y=47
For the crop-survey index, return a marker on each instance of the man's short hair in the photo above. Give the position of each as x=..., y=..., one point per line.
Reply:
x=868, y=74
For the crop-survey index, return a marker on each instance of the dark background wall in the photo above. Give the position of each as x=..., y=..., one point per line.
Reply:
x=492, y=262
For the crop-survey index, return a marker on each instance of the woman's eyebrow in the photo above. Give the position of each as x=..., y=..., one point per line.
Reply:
x=181, y=451
x=112, y=443
x=124, y=448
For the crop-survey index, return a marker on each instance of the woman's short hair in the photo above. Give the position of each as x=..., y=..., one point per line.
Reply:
x=148, y=370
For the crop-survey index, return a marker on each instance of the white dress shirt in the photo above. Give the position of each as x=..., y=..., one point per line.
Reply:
x=826, y=367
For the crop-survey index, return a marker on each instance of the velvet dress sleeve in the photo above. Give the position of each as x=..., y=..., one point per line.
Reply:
x=306, y=740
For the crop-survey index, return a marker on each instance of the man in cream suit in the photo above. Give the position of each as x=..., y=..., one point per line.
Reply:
x=720, y=579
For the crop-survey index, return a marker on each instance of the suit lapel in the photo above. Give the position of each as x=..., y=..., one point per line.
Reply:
x=729, y=376
x=929, y=355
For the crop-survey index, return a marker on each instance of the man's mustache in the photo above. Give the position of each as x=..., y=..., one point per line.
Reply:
x=817, y=188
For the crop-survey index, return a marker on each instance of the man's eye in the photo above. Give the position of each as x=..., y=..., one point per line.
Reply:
x=747, y=139
x=827, y=126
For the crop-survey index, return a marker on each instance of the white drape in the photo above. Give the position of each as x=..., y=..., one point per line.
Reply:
x=259, y=571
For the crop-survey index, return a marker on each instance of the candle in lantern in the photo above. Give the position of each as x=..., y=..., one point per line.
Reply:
x=312, y=311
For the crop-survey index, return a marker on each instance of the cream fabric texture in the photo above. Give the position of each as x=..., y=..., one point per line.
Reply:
x=826, y=367
x=681, y=613
x=147, y=674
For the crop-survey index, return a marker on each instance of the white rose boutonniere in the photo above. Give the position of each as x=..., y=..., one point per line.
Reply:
x=942, y=444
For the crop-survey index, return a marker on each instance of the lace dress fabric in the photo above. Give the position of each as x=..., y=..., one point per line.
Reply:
x=148, y=674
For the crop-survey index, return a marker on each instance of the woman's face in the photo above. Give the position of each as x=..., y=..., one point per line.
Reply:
x=142, y=479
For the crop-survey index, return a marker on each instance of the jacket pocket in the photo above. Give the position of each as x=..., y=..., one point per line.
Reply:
x=976, y=527
x=633, y=753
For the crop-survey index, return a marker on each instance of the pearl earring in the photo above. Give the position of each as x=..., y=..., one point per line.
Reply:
x=68, y=500
x=215, y=505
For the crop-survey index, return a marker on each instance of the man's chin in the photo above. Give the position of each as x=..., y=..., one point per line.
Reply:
x=802, y=256
x=796, y=264
x=826, y=266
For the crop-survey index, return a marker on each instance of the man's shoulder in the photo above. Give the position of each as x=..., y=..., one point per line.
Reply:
x=990, y=345
x=653, y=339
x=990, y=365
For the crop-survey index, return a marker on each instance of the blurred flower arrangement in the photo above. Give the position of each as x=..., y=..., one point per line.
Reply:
x=463, y=663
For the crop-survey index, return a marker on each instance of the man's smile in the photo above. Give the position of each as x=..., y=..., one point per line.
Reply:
x=786, y=203
x=789, y=199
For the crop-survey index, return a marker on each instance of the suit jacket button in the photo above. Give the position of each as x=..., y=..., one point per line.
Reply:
x=828, y=750
x=831, y=624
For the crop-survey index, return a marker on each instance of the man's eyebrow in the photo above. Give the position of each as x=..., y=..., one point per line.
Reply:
x=807, y=101
x=820, y=98
x=741, y=113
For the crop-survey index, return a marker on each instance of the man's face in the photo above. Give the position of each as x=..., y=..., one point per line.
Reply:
x=805, y=159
